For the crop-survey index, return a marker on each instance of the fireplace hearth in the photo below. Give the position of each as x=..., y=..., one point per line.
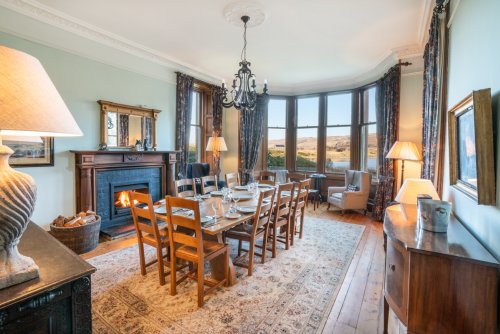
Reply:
x=103, y=179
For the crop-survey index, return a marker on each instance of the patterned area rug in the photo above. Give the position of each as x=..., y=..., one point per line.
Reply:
x=292, y=293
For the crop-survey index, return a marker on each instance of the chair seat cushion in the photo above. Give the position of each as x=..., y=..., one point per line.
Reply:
x=336, y=196
x=209, y=247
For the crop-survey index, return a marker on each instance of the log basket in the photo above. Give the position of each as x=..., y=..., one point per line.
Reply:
x=80, y=239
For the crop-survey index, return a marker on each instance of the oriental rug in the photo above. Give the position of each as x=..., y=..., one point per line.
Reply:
x=293, y=293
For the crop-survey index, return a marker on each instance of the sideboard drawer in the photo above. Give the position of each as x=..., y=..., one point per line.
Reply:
x=396, y=283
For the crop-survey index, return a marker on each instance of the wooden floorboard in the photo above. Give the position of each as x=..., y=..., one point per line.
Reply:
x=358, y=308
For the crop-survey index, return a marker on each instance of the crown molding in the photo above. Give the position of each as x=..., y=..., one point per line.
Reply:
x=425, y=20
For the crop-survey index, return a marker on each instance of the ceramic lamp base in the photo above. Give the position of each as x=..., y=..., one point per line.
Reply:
x=16, y=268
x=17, y=200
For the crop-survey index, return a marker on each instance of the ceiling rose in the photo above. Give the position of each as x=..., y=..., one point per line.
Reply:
x=234, y=11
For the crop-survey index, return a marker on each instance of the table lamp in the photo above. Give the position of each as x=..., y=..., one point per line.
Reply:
x=216, y=145
x=404, y=150
x=30, y=106
x=412, y=188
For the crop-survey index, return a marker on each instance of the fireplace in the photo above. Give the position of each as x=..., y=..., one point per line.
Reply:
x=103, y=179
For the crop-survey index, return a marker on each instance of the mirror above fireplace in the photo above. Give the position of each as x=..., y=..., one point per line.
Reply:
x=123, y=125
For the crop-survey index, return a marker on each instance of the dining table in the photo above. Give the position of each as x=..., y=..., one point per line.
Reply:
x=215, y=228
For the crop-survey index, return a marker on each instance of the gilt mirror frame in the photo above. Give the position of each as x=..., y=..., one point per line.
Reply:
x=107, y=107
x=472, y=160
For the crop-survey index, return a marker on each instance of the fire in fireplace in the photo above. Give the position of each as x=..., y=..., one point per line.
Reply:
x=121, y=200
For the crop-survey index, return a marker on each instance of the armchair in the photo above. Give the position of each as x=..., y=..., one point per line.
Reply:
x=354, y=195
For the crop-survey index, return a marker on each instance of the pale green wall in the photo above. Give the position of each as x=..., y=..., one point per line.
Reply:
x=81, y=82
x=474, y=63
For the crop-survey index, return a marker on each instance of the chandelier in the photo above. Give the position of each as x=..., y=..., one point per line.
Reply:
x=244, y=95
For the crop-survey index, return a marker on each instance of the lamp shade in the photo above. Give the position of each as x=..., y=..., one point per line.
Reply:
x=216, y=144
x=413, y=187
x=30, y=104
x=404, y=150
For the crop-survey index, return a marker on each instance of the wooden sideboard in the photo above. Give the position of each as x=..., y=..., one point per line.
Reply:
x=438, y=282
x=59, y=300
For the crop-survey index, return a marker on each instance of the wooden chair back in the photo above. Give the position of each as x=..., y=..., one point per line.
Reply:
x=183, y=183
x=264, y=209
x=178, y=239
x=232, y=180
x=267, y=177
x=283, y=205
x=301, y=197
x=295, y=177
x=205, y=188
x=143, y=215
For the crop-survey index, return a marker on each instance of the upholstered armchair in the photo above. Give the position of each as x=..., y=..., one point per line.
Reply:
x=354, y=195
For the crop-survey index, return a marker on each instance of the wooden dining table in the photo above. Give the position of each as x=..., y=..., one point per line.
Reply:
x=214, y=231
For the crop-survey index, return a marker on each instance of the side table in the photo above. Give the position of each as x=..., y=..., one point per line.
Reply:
x=316, y=192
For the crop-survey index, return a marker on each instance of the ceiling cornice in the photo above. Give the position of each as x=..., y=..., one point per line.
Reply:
x=52, y=17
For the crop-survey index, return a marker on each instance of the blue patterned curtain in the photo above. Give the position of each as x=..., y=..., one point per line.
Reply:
x=434, y=97
x=217, y=110
x=388, y=91
x=123, y=120
x=251, y=131
x=183, y=120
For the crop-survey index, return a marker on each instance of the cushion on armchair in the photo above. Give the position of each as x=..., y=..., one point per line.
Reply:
x=352, y=187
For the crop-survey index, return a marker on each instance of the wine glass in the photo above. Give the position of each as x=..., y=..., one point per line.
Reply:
x=235, y=198
x=215, y=207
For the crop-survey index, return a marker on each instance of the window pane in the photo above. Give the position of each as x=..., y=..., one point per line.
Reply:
x=195, y=109
x=194, y=144
x=339, y=109
x=307, y=149
x=369, y=148
x=372, y=115
x=276, y=147
x=276, y=115
x=338, y=149
x=307, y=111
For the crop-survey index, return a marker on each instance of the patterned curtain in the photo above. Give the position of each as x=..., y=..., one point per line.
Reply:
x=251, y=130
x=434, y=97
x=123, y=120
x=387, y=133
x=217, y=110
x=183, y=120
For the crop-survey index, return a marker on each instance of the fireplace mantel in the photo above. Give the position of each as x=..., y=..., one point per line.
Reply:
x=87, y=163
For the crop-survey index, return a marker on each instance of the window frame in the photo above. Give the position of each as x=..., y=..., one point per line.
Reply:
x=362, y=123
x=296, y=127
x=267, y=127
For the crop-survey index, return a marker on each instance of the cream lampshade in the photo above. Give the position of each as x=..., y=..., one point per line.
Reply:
x=412, y=188
x=404, y=150
x=30, y=106
x=216, y=145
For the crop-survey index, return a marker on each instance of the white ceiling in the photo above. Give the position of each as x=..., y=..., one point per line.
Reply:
x=300, y=43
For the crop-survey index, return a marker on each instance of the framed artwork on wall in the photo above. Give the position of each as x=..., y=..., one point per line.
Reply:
x=472, y=164
x=32, y=154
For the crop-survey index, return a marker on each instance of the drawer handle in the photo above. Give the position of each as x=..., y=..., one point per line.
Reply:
x=393, y=267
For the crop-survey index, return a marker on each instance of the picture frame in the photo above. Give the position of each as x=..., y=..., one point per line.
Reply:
x=32, y=154
x=472, y=162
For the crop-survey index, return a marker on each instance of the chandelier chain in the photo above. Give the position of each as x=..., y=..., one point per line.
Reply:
x=244, y=51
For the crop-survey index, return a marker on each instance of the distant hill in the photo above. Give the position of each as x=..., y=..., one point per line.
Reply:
x=337, y=143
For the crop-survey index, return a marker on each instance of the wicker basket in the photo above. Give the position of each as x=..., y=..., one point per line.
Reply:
x=80, y=239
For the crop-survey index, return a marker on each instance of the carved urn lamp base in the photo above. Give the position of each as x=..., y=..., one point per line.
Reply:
x=17, y=201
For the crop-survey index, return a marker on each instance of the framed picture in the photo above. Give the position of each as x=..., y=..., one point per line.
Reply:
x=472, y=164
x=32, y=154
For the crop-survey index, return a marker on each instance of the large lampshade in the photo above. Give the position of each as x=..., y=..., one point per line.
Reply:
x=30, y=106
x=216, y=144
x=404, y=150
x=412, y=188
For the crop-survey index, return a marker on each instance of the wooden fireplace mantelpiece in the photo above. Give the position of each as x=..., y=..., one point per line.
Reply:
x=87, y=163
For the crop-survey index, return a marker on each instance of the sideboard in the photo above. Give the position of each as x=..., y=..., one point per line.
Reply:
x=438, y=282
x=59, y=300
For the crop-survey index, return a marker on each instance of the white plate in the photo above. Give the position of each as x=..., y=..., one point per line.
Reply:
x=243, y=197
x=161, y=209
x=232, y=215
x=216, y=193
x=206, y=219
x=240, y=188
x=265, y=186
x=246, y=209
x=205, y=196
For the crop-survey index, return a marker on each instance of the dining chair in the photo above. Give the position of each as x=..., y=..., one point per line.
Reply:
x=267, y=177
x=208, y=184
x=299, y=209
x=251, y=232
x=183, y=183
x=192, y=248
x=280, y=219
x=295, y=177
x=232, y=180
x=148, y=232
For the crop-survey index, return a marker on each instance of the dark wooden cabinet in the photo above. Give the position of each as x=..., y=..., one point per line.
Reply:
x=59, y=300
x=438, y=282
